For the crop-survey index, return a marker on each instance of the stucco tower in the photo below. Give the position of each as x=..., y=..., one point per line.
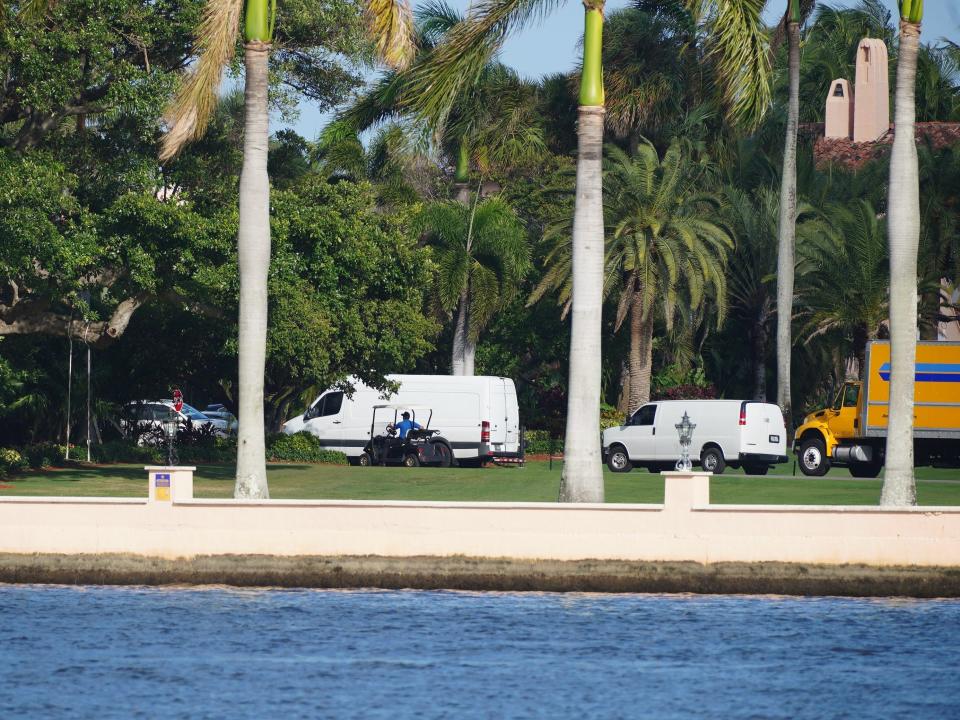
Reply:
x=871, y=115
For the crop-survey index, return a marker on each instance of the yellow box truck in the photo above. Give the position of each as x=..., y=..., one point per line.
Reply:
x=853, y=432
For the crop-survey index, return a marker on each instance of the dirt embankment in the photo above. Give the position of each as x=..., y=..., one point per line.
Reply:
x=491, y=574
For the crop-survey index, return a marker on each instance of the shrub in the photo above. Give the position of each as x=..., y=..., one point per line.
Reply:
x=42, y=455
x=539, y=442
x=301, y=447
x=213, y=449
x=610, y=417
x=685, y=392
x=124, y=451
x=11, y=461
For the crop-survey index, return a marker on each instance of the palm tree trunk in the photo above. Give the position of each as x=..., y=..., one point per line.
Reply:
x=458, y=364
x=641, y=353
x=582, y=478
x=760, y=358
x=787, y=233
x=253, y=245
x=899, y=485
x=623, y=399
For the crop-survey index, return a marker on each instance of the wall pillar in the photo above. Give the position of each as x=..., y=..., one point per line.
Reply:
x=684, y=491
x=169, y=484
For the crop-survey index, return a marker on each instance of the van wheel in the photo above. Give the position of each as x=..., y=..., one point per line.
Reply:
x=364, y=460
x=411, y=461
x=618, y=461
x=711, y=460
x=813, y=458
x=756, y=469
x=865, y=470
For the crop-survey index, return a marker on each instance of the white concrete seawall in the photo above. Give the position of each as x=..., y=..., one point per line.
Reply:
x=685, y=529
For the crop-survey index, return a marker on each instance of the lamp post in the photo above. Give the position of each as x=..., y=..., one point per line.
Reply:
x=170, y=431
x=685, y=428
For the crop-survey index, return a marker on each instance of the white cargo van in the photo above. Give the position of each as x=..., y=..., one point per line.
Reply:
x=477, y=414
x=738, y=433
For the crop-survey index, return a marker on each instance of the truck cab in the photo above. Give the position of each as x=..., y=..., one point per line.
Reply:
x=826, y=437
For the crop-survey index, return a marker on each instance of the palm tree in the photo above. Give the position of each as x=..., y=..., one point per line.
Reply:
x=459, y=61
x=187, y=117
x=786, y=236
x=844, y=280
x=752, y=275
x=663, y=251
x=482, y=255
x=903, y=208
x=663, y=245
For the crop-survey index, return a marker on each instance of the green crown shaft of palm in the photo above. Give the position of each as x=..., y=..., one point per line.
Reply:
x=911, y=11
x=591, y=79
x=259, y=19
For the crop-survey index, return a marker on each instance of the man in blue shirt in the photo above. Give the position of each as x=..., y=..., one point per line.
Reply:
x=406, y=425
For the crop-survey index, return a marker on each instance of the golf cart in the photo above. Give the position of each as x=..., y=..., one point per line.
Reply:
x=418, y=447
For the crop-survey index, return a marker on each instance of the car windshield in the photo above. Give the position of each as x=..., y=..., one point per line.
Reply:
x=193, y=413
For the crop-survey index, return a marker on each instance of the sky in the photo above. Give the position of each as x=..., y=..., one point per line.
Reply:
x=551, y=46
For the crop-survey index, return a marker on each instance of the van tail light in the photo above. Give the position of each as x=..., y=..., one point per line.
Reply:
x=743, y=415
x=485, y=431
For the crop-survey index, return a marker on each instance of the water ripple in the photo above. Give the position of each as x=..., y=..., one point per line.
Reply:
x=110, y=652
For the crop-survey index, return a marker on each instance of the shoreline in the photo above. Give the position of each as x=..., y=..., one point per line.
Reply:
x=482, y=574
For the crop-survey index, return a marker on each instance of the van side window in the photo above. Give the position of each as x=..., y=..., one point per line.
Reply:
x=332, y=404
x=644, y=416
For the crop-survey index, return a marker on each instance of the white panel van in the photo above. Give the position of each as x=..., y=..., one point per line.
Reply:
x=479, y=415
x=735, y=433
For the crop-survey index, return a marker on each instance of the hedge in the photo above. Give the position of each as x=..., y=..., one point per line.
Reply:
x=301, y=447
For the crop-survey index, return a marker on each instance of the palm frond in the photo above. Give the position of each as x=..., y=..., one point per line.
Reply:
x=390, y=25
x=467, y=49
x=189, y=112
x=739, y=46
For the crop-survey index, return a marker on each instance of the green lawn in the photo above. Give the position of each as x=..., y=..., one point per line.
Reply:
x=536, y=482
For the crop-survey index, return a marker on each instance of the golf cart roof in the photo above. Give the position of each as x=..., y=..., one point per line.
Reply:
x=401, y=406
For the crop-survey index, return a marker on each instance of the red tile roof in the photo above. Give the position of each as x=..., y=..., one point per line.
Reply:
x=845, y=152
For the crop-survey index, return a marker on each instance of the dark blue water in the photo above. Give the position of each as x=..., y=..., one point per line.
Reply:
x=112, y=652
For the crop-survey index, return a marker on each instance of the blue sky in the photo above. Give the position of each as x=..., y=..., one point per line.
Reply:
x=552, y=46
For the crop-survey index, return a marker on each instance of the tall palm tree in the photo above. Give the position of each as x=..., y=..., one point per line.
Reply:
x=187, y=117
x=663, y=245
x=664, y=251
x=459, y=61
x=786, y=235
x=482, y=255
x=903, y=209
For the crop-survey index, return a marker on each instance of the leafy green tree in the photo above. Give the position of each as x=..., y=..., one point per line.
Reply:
x=482, y=255
x=72, y=272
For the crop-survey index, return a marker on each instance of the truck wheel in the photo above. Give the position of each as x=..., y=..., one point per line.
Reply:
x=411, y=460
x=865, y=470
x=756, y=469
x=618, y=461
x=364, y=460
x=813, y=458
x=711, y=460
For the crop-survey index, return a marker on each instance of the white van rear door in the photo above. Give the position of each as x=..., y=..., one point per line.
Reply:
x=511, y=416
x=762, y=430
